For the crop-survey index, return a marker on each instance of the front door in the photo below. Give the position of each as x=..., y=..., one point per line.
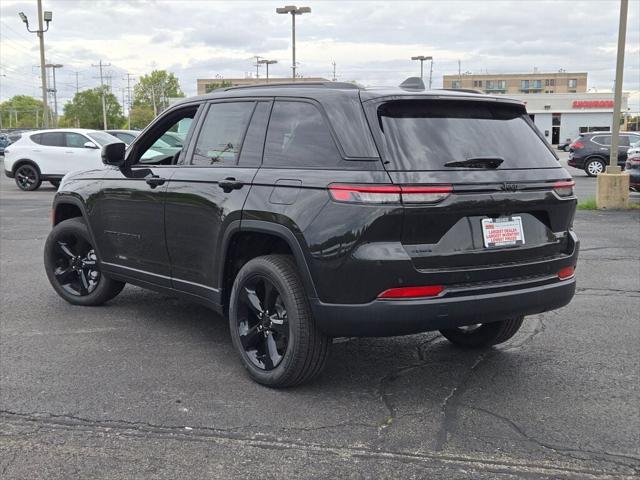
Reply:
x=555, y=135
x=208, y=190
x=131, y=232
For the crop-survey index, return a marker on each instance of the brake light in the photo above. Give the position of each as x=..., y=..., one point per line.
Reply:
x=564, y=188
x=566, y=273
x=577, y=145
x=389, y=193
x=412, y=292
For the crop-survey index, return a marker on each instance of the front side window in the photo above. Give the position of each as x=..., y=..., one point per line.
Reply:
x=222, y=132
x=624, y=141
x=75, y=140
x=150, y=149
x=298, y=136
x=602, y=140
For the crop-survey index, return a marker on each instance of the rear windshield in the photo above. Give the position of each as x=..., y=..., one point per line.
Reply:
x=426, y=134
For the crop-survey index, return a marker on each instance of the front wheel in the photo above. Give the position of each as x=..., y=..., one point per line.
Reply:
x=27, y=177
x=73, y=268
x=483, y=334
x=594, y=167
x=272, y=326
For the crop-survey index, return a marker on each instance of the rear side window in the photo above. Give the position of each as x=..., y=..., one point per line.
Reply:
x=222, y=133
x=51, y=139
x=298, y=137
x=426, y=134
x=254, y=139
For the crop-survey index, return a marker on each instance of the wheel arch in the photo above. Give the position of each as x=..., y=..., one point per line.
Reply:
x=267, y=238
x=22, y=161
x=67, y=206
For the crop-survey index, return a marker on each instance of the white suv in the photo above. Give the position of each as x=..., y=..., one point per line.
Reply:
x=51, y=154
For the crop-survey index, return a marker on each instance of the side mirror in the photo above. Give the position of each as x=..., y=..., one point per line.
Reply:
x=90, y=145
x=113, y=154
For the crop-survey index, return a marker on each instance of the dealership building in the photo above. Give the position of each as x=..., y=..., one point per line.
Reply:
x=561, y=116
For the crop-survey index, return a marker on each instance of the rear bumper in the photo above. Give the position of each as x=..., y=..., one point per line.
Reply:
x=401, y=317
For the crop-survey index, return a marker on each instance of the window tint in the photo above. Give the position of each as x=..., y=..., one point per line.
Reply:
x=125, y=137
x=299, y=137
x=221, y=134
x=75, y=140
x=602, y=139
x=624, y=141
x=52, y=139
x=426, y=134
x=251, y=154
x=36, y=138
x=152, y=150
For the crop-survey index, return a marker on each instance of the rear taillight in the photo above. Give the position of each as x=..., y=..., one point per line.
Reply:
x=577, y=145
x=389, y=193
x=566, y=273
x=412, y=292
x=564, y=188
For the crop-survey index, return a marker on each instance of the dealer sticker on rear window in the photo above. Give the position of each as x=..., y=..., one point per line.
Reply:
x=502, y=232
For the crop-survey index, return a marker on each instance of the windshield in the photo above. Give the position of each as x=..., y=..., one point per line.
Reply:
x=427, y=134
x=103, y=138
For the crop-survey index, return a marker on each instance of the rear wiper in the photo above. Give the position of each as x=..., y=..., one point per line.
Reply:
x=477, y=162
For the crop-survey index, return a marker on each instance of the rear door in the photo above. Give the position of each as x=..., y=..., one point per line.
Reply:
x=208, y=189
x=479, y=182
x=50, y=153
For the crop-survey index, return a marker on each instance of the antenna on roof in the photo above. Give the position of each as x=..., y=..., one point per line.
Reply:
x=413, y=83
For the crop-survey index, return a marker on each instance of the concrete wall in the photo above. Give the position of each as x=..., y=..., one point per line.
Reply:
x=571, y=122
x=543, y=122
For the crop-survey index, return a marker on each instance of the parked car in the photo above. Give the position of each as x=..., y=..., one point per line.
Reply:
x=591, y=151
x=50, y=154
x=306, y=212
x=4, y=142
x=632, y=166
x=564, y=146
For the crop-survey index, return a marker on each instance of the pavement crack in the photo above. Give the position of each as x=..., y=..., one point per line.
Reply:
x=560, y=450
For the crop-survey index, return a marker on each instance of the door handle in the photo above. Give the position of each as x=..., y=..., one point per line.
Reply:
x=229, y=184
x=154, y=180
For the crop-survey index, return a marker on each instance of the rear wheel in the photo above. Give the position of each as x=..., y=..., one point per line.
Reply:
x=72, y=266
x=272, y=326
x=27, y=177
x=594, y=167
x=483, y=334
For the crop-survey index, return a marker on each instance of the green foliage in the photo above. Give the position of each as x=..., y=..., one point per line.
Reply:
x=85, y=110
x=210, y=87
x=588, y=204
x=154, y=90
x=28, y=110
x=141, y=116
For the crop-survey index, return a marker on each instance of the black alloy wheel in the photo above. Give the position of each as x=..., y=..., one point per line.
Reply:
x=263, y=326
x=76, y=266
x=27, y=177
x=271, y=323
x=73, y=267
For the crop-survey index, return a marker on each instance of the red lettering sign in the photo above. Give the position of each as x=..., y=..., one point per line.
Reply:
x=592, y=104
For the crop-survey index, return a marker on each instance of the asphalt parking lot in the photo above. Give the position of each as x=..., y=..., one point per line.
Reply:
x=149, y=386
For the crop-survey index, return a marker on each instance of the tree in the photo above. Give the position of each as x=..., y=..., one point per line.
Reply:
x=155, y=90
x=141, y=116
x=27, y=110
x=85, y=110
x=210, y=87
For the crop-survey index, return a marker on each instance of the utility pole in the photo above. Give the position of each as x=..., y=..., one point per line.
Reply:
x=129, y=101
x=293, y=10
x=48, y=16
x=266, y=62
x=257, y=64
x=422, y=58
x=104, y=101
x=54, y=90
x=333, y=79
x=613, y=185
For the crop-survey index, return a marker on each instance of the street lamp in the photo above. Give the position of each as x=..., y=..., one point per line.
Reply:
x=293, y=10
x=266, y=62
x=48, y=16
x=422, y=58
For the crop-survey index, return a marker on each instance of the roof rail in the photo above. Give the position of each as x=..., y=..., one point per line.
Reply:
x=466, y=90
x=336, y=85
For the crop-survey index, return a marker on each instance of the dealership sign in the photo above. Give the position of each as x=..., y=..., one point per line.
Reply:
x=592, y=104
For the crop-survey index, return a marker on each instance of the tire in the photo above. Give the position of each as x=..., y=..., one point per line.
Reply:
x=55, y=183
x=27, y=177
x=282, y=347
x=594, y=166
x=484, y=334
x=73, y=267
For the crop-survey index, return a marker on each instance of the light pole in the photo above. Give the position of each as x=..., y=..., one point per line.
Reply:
x=48, y=16
x=54, y=90
x=422, y=58
x=266, y=62
x=293, y=10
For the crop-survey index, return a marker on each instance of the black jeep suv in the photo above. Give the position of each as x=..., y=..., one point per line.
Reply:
x=310, y=211
x=591, y=151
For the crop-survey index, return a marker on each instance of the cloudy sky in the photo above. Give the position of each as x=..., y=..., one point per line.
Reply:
x=371, y=42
